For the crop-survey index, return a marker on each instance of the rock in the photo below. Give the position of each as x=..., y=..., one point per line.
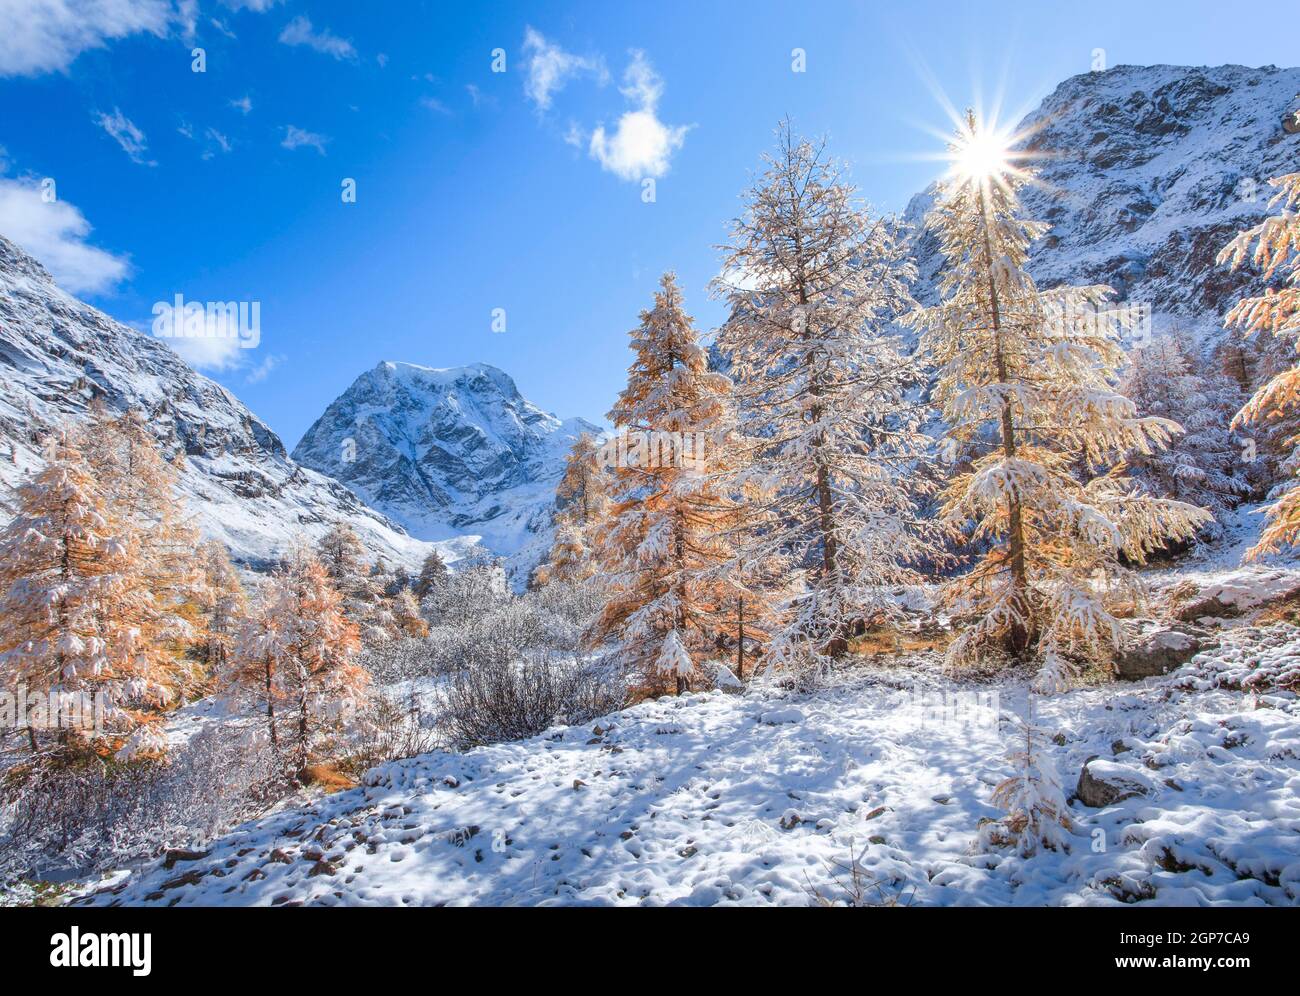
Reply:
x=1291, y=123
x=175, y=854
x=1104, y=783
x=1239, y=592
x=725, y=680
x=1156, y=652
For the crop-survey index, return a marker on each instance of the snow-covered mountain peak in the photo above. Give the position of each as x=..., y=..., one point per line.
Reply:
x=447, y=451
x=57, y=354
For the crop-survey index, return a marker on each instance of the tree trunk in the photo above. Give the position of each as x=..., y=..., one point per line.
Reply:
x=740, y=639
x=1018, y=635
x=269, y=670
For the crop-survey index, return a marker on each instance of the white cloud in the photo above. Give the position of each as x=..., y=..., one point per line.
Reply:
x=127, y=135
x=55, y=232
x=187, y=18
x=243, y=105
x=42, y=36
x=550, y=68
x=223, y=343
x=263, y=370
x=300, y=32
x=295, y=138
x=256, y=6
x=641, y=145
x=435, y=105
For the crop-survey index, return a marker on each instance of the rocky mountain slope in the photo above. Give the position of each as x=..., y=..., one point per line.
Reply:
x=58, y=353
x=448, y=452
x=1147, y=172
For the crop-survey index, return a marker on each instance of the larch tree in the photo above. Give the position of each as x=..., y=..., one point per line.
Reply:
x=223, y=603
x=1273, y=247
x=76, y=619
x=298, y=648
x=433, y=573
x=1027, y=376
x=582, y=500
x=140, y=486
x=662, y=552
x=830, y=431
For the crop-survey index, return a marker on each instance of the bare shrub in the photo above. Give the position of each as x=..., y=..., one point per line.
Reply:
x=510, y=700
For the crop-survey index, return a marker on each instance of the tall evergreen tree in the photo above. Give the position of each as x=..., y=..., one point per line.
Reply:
x=662, y=551
x=830, y=435
x=1029, y=375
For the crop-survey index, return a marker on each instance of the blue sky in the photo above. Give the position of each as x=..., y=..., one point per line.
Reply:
x=478, y=190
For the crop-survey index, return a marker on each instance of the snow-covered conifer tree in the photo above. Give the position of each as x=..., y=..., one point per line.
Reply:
x=662, y=551
x=830, y=434
x=582, y=497
x=76, y=617
x=298, y=648
x=1276, y=251
x=223, y=603
x=433, y=572
x=1028, y=376
x=1203, y=466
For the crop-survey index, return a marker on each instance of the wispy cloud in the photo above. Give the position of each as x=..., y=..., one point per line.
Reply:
x=256, y=6
x=550, y=67
x=478, y=98
x=42, y=36
x=55, y=232
x=296, y=138
x=263, y=370
x=127, y=135
x=243, y=105
x=435, y=105
x=299, y=31
x=641, y=145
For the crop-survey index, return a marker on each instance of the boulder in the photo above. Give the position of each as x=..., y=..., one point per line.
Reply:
x=1291, y=123
x=1238, y=592
x=1156, y=652
x=1104, y=783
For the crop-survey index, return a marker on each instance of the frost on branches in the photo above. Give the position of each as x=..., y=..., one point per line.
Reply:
x=664, y=544
x=830, y=443
x=297, y=652
x=1276, y=251
x=1026, y=382
x=78, y=618
x=582, y=497
x=1204, y=465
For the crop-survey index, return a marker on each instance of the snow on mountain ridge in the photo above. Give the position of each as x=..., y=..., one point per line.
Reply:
x=57, y=354
x=448, y=451
x=1147, y=172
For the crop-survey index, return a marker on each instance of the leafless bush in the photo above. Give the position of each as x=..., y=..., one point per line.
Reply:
x=74, y=816
x=510, y=700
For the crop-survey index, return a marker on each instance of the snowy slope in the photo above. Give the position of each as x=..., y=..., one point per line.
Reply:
x=57, y=354
x=1147, y=172
x=448, y=452
x=761, y=799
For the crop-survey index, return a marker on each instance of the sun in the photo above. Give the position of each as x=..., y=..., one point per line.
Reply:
x=980, y=155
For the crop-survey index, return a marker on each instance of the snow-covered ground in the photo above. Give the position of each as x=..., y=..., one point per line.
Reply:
x=771, y=797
